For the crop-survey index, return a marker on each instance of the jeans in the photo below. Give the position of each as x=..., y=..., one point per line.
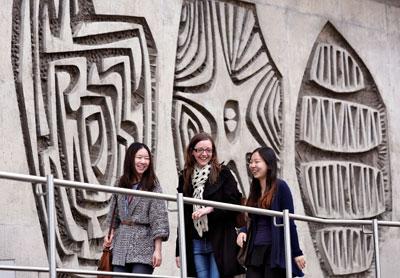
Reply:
x=204, y=260
x=134, y=268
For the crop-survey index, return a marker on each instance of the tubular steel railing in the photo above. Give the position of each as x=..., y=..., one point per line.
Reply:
x=53, y=270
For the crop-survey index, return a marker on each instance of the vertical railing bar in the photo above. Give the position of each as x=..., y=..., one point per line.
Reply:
x=376, y=248
x=51, y=232
x=288, y=251
x=182, y=244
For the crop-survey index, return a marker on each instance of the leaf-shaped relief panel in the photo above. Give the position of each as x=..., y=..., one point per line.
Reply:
x=342, y=158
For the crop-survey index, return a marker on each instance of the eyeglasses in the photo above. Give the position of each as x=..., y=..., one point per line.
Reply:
x=201, y=150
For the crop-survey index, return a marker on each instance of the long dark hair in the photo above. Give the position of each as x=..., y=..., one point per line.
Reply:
x=190, y=161
x=255, y=199
x=130, y=176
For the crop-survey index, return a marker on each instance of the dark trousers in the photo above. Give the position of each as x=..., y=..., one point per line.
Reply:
x=259, y=264
x=133, y=268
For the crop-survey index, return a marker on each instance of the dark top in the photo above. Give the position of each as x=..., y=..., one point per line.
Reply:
x=262, y=230
x=221, y=225
x=282, y=200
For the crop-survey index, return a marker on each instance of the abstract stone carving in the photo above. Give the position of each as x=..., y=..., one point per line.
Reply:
x=354, y=253
x=339, y=126
x=342, y=157
x=86, y=89
x=225, y=83
x=334, y=68
x=341, y=189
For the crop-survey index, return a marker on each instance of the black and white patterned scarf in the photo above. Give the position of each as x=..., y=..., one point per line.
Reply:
x=199, y=178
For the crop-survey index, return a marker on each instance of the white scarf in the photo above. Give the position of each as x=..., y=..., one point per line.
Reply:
x=199, y=178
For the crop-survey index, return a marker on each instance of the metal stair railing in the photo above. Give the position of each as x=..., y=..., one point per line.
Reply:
x=53, y=270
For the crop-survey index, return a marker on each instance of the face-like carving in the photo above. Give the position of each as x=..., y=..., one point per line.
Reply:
x=84, y=84
x=225, y=83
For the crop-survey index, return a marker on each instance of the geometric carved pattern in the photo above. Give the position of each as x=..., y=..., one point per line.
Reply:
x=342, y=156
x=86, y=86
x=336, y=189
x=347, y=250
x=335, y=69
x=339, y=126
x=225, y=83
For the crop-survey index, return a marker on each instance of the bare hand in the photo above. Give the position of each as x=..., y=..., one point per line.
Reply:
x=108, y=240
x=156, y=260
x=178, y=262
x=241, y=239
x=201, y=212
x=300, y=261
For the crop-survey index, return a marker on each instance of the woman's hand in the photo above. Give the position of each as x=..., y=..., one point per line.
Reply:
x=108, y=240
x=300, y=261
x=201, y=212
x=178, y=262
x=241, y=239
x=156, y=260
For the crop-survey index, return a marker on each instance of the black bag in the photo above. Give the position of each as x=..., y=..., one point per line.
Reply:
x=243, y=252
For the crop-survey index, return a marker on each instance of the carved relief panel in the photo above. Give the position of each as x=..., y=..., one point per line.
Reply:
x=341, y=152
x=86, y=88
x=225, y=83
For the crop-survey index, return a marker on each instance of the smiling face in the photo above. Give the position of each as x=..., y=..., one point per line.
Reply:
x=203, y=152
x=142, y=161
x=258, y=166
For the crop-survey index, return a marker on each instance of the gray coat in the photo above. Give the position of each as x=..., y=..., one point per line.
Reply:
x=135, y=243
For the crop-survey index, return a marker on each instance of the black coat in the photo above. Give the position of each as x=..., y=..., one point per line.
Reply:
x=221, y=225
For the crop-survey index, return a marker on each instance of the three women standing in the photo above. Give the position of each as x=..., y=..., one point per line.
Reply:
x=266, y=254
x=139, y=224
x=210, y=233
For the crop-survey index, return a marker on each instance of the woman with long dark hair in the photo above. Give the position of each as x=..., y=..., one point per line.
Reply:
x=266, y=253
x=210, y=233
x=140, y=224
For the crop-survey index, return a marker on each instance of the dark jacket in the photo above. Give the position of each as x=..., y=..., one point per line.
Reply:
x=221, y=224
x=283, y=200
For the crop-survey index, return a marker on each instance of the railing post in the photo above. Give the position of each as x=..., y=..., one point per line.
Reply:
x=182, y=244
x=51, y=232
x=288, y=250
x=376, y=248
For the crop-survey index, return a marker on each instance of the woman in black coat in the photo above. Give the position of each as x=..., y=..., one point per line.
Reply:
x=210, y=232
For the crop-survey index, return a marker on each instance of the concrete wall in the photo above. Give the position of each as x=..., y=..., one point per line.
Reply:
x=81, y=80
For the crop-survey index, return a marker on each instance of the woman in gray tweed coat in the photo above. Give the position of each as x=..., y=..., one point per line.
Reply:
x=140, y=224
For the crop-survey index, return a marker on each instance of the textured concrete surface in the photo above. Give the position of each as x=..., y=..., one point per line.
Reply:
x=101, y=74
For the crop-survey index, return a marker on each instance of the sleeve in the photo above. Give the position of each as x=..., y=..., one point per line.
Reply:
x=158, y=216
x=287, y=203
x=231, y=195
x=113, y=205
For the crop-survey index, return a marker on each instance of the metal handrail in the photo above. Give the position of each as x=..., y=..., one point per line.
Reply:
x=180, y=200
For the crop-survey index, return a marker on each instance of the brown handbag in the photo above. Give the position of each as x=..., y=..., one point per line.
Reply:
x=105, y=263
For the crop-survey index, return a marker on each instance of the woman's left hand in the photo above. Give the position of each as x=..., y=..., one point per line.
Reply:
x=300, y=261
x=200, y=212
x=156, y=260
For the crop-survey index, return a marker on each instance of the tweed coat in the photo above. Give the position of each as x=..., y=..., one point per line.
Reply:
x=135, y=243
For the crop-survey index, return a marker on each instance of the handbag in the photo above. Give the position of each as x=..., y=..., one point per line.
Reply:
x=105, y=263
x=244, y=250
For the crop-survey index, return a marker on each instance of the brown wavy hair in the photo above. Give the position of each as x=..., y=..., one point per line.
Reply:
x=190, y=161
x=129, y=176
x=255, y=199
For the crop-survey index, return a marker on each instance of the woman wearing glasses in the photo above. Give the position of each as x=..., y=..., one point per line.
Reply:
x=266, y=252
x=210, y=232
x=139, y=224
